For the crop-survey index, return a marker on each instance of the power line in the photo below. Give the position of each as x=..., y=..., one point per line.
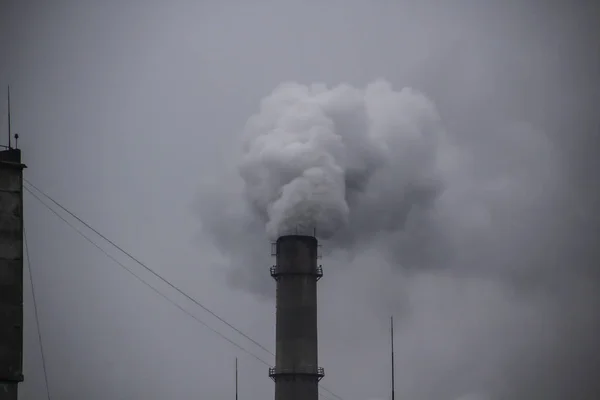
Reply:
x=35, y=311
x=136, y=260
x=142, y=280
x=150, y=270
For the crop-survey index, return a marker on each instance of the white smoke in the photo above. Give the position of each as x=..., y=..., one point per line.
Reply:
x=311, y=153
x=375, y=167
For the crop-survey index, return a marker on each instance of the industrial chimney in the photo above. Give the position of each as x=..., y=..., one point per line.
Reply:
x=296, y=373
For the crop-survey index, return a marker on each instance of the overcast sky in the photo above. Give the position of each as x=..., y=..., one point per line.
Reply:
x=130, y=115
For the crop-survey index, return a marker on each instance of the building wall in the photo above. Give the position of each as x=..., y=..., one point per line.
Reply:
x=11, y=273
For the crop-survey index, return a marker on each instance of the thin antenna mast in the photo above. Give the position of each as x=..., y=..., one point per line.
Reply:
x=236, y=378
x=392, y=342
x=9, y=128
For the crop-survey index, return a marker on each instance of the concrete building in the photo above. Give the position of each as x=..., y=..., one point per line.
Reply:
x=296, y=372
x=11, y=273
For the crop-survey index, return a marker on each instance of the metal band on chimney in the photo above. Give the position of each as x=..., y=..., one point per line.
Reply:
x=295, y=373
x=276, y=273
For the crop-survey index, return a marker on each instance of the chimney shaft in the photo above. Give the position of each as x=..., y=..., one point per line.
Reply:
x=296, y=373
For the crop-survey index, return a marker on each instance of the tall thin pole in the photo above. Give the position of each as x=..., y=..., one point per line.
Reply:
x=392, y=341
x=9, y=128
x=236, y=378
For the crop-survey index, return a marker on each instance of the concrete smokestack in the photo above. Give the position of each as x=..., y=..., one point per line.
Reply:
x=296, y=373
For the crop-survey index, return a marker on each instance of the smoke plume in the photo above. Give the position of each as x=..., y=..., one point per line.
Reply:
x=375, y=168
x=313, y=155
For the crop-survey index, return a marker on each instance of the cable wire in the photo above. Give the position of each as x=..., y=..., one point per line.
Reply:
x=145, y=282
x=136, y=260
x=35, y=311
x=151, y=270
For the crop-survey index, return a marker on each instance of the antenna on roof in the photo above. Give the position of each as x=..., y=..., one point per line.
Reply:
x=236, y=378
x=392, y=341
x=9, y=128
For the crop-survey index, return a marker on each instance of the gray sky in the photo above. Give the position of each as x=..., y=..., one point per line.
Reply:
x=130, y=115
